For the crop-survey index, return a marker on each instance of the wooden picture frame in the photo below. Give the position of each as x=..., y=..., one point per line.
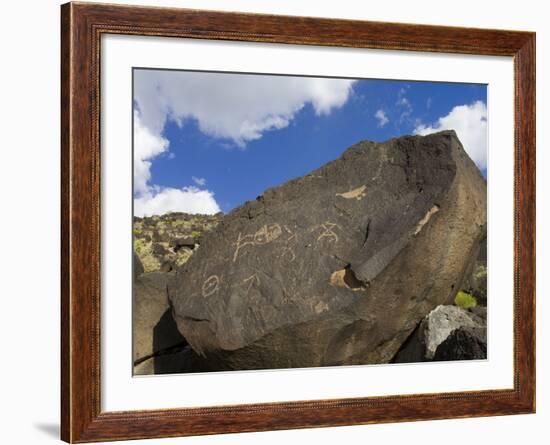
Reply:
x=82, y=26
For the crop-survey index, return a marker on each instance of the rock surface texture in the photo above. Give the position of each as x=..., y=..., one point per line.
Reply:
x=338, y=266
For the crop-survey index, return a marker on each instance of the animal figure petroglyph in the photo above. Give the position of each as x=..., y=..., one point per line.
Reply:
x=264, y=235
x=267, y=233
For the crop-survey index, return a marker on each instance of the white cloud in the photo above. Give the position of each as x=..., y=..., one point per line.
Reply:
x=382, y=118
x=238, y=107
x=188, y=199
x=199, y=181
x=405, y=105
x=470, y=124
x=154, y=200
x=147, y=145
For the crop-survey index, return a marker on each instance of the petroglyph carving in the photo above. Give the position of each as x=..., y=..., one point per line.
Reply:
x=267, y=233
x=358, y=193
x=264, y=235
x=292, y=236
x=250, y=281
x=242, y=241
x=288, y=251
x=210, y=285
x=289, y=254
x=328, y=232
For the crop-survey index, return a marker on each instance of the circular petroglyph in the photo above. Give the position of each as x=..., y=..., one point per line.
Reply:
x=210, y=285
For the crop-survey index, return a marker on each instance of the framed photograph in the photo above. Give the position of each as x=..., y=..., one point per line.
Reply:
x=274, y=222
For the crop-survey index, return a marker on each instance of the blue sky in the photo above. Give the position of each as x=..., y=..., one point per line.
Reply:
x=211, y=141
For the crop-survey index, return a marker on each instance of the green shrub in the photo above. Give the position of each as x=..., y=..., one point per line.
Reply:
x=465, y=300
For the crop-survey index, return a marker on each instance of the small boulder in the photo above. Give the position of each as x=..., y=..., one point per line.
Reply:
x=446, y=325
x=178, y=243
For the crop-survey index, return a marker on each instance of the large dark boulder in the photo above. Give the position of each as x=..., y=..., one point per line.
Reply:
x=338, y=266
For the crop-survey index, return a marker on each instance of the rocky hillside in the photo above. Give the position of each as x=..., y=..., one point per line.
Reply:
x=166, y=242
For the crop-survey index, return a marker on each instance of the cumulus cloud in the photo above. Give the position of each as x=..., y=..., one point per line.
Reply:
x=153, y=200
x=147, y=145
x=237, y=107
x=199, y=181
x=380, y=115
x=187, y=199
x=470, y=124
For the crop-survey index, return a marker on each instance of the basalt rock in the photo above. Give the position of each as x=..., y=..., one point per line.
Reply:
x=338, y=266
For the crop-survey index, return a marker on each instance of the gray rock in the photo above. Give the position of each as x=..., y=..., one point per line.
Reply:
x=442, y=321
x=338, y=266
x=153, y=326
x=441, y=332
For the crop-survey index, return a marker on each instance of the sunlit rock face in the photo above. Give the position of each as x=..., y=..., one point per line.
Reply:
x=338, y=266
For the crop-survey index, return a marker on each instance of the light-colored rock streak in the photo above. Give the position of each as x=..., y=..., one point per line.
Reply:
x=426, y=218
x=358, y=193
